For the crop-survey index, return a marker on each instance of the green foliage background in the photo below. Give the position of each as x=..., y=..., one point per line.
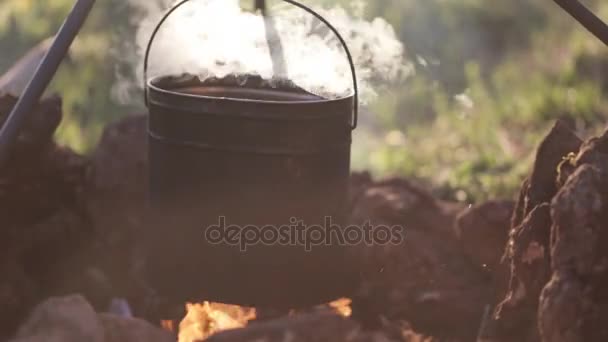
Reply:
x=491, y=78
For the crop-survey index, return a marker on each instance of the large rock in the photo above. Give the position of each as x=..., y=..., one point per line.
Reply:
x=119, y=329
x=44, y=224
x=427, y=279
x=37, y=132
x=483, y=230
x=72, y=319
x=62, y=320
x=527, y=250
x=316, y=327
x=574, y=304
x=557, y=247
x=116, y=201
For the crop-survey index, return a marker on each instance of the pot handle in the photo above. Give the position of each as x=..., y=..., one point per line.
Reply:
x=294, y=3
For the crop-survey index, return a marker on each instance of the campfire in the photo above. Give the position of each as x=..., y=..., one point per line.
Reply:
x=261, y=152
x=205, y=319
x=441, y=283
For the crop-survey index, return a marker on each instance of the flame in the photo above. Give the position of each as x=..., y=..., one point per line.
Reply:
x=342, y=306
x=206, y=319
x=167, y=325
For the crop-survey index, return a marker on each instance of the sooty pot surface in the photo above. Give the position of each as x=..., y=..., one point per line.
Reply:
x=254, y=155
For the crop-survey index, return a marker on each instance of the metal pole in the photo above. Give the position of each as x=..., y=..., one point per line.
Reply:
x=584, y=16
x=277, y=54
x=42, y=77
x=260, y=5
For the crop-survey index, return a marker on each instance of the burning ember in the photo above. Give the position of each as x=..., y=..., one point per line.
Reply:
x=205, y=319
x=342, y=307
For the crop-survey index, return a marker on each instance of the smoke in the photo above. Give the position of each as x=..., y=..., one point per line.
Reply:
x=215, y=38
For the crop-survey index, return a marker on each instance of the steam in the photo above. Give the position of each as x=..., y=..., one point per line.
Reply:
x=215, y=38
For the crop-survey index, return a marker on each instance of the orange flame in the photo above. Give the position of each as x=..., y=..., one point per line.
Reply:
x=342, y=307
x=206, y=319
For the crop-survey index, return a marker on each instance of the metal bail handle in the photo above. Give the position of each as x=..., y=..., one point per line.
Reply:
x=292, y=2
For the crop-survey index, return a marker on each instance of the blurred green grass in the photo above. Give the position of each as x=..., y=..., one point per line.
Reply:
x=491, y=78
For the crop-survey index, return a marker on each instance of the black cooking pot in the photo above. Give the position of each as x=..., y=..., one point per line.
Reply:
x=252, y=155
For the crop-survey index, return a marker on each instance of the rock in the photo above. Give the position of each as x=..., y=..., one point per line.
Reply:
x=327, y=327
x=560, y=142
x=44, y=224
x=117, y=178
x=527, y=251
x=483, y=231
x=556, y=251
x=37, y=133
x=560, y=307
x=593, y=152
x=426, y=280
x=68, y=319
x=119, y=329
x=120, y=307
x=71, y=318
x=120, y=161
x=17, y=297
x=573, y=305
x=116, y=200
x=315, y=327
x=400, y=201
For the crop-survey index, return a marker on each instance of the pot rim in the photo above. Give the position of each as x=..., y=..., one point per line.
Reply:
x=152, y=84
